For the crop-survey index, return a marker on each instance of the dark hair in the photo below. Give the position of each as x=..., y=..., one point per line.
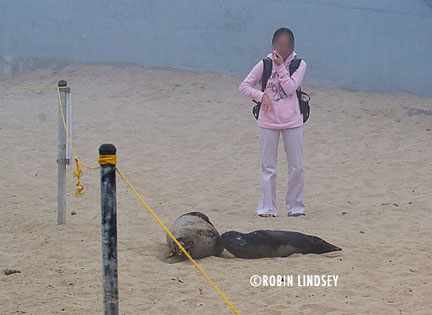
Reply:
x=283, y=31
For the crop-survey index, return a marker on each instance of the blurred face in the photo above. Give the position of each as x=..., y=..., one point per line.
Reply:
x=283, y=46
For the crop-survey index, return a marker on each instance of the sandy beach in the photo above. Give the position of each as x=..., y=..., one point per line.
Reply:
x=188, y=142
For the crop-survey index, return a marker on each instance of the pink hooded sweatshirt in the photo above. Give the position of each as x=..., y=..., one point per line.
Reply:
x=281, y=89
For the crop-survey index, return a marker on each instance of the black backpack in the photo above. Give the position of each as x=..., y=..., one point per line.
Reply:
x=303, y=97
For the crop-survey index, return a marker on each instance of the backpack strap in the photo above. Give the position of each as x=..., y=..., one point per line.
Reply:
x=295, y=63
x=268, y=63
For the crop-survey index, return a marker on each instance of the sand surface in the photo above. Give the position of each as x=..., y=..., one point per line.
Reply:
x=188, y=142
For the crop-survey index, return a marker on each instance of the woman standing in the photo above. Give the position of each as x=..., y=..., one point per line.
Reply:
x=279, y=113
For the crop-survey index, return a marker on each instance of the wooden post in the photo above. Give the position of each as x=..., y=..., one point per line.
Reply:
x=61, y=158
x=109, y=232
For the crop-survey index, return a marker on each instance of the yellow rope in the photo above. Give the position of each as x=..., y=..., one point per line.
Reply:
x=78, y=174
x=27, y=88
x=107, y=159
x=176, y=241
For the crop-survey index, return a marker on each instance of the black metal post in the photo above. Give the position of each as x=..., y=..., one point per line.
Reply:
x=109, y=232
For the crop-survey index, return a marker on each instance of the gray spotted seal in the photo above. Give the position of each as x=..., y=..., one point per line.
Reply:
x=196, y=234
x=267, y=243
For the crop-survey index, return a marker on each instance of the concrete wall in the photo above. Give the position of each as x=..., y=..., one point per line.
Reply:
x=383, y=45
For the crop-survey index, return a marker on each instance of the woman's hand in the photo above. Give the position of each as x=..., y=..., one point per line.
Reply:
x=277, y=59
x=266, y=103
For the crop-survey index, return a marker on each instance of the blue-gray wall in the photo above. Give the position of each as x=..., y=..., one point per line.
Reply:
x=378, y=45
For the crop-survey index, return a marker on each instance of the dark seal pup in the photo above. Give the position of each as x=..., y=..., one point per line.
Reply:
x=267, y=243
x=196, y=234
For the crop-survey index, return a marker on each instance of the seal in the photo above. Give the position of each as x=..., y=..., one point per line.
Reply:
x=268, y=243
x=196, y=234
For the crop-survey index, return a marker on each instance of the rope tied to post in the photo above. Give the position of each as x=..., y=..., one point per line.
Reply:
x=78, y=173
x=107, y=159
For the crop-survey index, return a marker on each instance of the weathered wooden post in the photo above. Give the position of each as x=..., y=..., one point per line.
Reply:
x=107, y=161
x=61, y=157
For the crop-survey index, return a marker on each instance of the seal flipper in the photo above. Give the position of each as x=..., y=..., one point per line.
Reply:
x=176, y=251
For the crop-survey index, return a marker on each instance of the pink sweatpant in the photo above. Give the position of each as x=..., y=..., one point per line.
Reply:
x=292, y=138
